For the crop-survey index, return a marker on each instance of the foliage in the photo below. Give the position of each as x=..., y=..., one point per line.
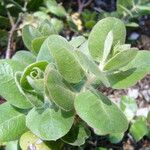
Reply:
x=51, y=93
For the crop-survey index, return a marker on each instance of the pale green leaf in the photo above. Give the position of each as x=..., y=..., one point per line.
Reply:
x=8, y=87
x=65, y=60
x=12, y=123
x=50, y=123
x=28, y=34
x=57, y=90
x=120, y=59
x=99, y=33
x=24, y=57
x=133, y=72
x=100, y=113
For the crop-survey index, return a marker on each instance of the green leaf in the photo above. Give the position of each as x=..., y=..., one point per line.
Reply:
x=57, y=24
x=44, y=53
x=77, y=41
x=100, y=113
x=128, y=106
x=57, y=90
x=29, y=33
x=12, y=123
x=36, y=44
x=139, y=129
x=77, y=135
x=131, y=73
x=66, y=62
x=35, y=71
x=49, y=124
x=89, y=65
x=24, y=57
x=99, y=33
x=8, y=87
x=55, y=8
x=12, y=145
x=46, y=28
x=116, y=138
x=120, y=59
x=29, y=140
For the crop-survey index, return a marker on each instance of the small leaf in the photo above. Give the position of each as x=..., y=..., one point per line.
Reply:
x=49, y=124
x=29, y=33
x=99, y=33
x=66, y=62
x=128, y=106
x=100, y=113
x=77, y=135
x=35, y=70
x=24, y=57
x=139, y=129
x=29, y=140
x=120, y=59
x=77, y=41
x=12, y=123
x=36, y=44
x=57, y=90
x=116, y=138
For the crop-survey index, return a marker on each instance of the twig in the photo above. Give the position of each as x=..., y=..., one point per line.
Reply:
x=10, y=37
x=82, y=4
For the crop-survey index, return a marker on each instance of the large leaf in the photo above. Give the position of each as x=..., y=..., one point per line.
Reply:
x=120, y=59
x=24, y=57
x=28, y=34
x=133, y=72
x=66, y=62
x=35, y=71
x=57, y=91
x=50, y=123
x=77, y=135
x=99, y=33
x=100, y=113
x=29, y=140
x=12, y=123
x=8, y=87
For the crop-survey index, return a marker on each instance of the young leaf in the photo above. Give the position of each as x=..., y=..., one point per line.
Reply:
x=66, y=62
x=77, y=135
x=50, y=123
x=128, y=106
x=35, y=70
x=77, y=41
x=8, y=87
x=139, y=129
x=12, y=123
x=29, y=140
x=99, y=33
x=131, y=73
x=120, y=59
x=57, y=91
x=116, y=138
x=24, y=57
x=29, y=33
x=36, y=44
x=100, y=113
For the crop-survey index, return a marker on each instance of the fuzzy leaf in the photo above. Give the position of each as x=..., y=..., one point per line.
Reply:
x=100, y=113
x=66, y=62
x=12, y=123
x=99, y=33
x=8, y=87
x=120, y=59
x=50, y=123
x=77, y=41
x=57, y=91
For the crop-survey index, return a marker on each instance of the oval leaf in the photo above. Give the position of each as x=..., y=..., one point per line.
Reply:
x=100, y=113
x=99, y=33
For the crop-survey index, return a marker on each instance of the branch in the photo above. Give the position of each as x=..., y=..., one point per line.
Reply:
x=10, y=37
